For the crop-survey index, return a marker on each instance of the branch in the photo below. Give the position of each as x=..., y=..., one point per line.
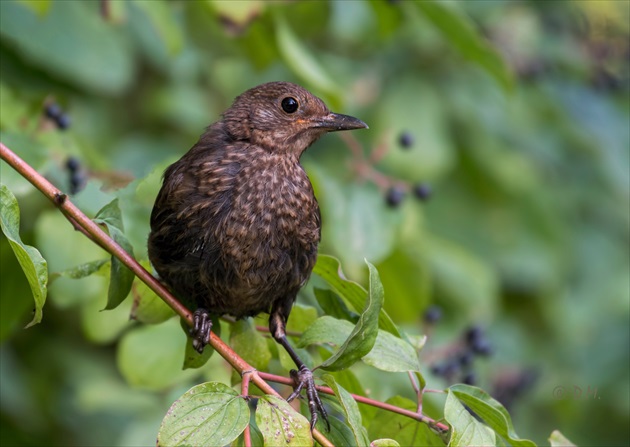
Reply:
x=367, y=401
x=95, y=233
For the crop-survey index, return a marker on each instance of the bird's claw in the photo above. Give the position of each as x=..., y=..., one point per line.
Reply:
x=200, y=332
x=303, y=379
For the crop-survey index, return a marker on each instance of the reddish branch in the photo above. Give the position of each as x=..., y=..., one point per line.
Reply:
x=84, y=224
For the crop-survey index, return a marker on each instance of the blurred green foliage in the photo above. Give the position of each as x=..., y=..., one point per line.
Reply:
x=519, y=114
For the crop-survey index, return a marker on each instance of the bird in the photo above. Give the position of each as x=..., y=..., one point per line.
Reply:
x=235, y=227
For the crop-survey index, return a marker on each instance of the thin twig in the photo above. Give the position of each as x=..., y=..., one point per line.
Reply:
x=365, y=400
x=247, y=435
x=417, y=389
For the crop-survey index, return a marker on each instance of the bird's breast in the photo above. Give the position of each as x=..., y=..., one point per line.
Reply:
x=271, y=231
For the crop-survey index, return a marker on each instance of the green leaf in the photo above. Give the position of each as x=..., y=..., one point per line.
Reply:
x=104, y=327
x=80, y=271
x=250, y=344
x=405, y=430
x=90, y=53
x=349, y=381
x=557, y=439
x=329, y=269
x=280, y=424
x=334, y=306
x=121, y=278
x=363, y=335
x=208, y=414
x=340, y=433
x=384, y=443
x=148, y=308
x=301, y=317
x=460, y=32
x=149, y=357
x=300, y=60
x=15, y=304
x=240, y=12
x=491, y=411
x=392, y=354
x=465, y=429
x=192, y=358
x=32, y=151
x=389, y=353
x=33, y=264
x=40, y=7
x=350, y=410
x=162, y=19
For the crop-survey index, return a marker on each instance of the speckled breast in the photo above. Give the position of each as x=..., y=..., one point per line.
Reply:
x=271, y=233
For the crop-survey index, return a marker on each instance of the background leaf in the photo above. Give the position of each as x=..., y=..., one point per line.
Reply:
x=90, y=53
x=461, y=34
x=150, y=357
x=33, y=264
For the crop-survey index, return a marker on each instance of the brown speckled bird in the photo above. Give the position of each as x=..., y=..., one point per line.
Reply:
x=236, y=225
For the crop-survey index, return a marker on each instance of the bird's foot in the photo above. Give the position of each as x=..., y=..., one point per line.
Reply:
x=303, y=379
x=200, y=332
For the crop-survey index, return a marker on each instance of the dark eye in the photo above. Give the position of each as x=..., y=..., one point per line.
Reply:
x=289, y=105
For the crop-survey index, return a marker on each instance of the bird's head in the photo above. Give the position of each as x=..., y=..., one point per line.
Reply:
x=283, y=117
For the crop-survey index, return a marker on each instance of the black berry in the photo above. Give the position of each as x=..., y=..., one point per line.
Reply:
x=433, y=314
x=405, y=140
x=73, y=164
x=469, y=378
x=52, y=110
x=482, y=347
x=451, y=368
x=473, y=334
x=438, y=369
x=63, y=121
x=465, y=358
x=394, y=196
x=422, y=191
x=77, y=183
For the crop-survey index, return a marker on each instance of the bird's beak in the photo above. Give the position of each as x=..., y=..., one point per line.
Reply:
x=336, y=121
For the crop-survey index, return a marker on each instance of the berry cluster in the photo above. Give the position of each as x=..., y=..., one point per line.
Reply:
x=394, y=189
x=56, y=115
x=77, y=178
x=457, y=363
x=397, y=192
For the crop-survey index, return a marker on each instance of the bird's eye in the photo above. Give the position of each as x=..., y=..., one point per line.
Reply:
x=289, y=105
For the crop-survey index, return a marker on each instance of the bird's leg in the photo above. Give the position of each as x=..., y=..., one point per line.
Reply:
x=200, y=332
x=302, y=377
